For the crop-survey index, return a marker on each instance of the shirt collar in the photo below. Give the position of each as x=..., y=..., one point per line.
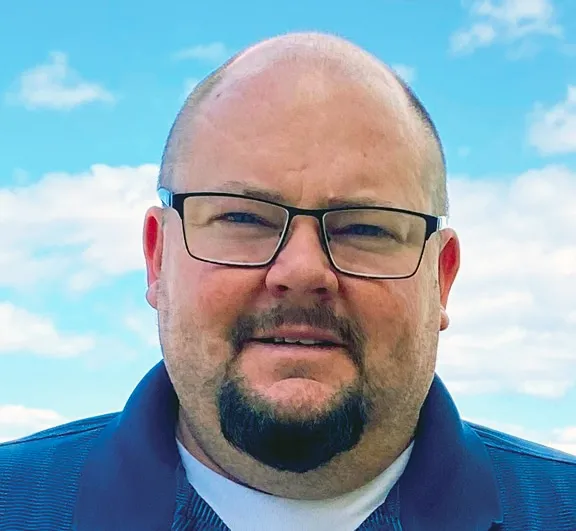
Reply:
x=129, y=479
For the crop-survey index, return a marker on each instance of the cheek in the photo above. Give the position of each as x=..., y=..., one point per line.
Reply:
x=391, y=314
x=213, y=297
x=386, y=306
x=202, y=302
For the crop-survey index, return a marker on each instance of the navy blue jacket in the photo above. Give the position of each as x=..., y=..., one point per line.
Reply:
x=122, y=472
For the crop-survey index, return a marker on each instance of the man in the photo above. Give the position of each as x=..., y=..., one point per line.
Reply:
x=301, y=268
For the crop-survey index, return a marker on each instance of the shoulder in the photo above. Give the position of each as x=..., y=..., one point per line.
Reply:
x=65, y=438
x=43, y=469
x=534, y=480
x=509, y=447
x=63, y=445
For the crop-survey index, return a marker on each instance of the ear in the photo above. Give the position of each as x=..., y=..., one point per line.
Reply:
x=153, y=241
x=448, y=266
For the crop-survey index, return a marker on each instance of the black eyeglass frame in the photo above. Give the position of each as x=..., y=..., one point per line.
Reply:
x=176, y=201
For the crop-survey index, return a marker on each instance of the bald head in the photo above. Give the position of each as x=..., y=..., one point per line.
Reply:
x=319, y=62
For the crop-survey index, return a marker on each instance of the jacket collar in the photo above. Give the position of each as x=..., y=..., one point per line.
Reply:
x=449, y=482
x=129, y=479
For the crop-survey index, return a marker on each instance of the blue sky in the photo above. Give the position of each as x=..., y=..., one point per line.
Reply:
x=89, y=91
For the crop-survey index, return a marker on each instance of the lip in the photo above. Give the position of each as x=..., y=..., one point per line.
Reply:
x=302, y=332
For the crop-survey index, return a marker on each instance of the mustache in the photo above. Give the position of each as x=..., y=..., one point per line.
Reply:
x=319, y=316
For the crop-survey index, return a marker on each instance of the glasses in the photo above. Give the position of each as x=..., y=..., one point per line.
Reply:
x=236, y=230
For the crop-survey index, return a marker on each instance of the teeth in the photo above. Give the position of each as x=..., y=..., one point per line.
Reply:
x=294, y=341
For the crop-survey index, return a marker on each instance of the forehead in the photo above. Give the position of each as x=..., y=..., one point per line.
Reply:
x=308, y=133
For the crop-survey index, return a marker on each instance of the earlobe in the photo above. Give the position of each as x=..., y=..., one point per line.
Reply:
x=152, y=295
x=444, y=319
x=153, y=246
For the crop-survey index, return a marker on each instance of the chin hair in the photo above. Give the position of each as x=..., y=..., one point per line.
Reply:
x=291, y=440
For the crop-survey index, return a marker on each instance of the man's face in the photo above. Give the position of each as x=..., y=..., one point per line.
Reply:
x=295, y=407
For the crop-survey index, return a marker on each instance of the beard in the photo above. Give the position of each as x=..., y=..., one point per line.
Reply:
x=293, y=441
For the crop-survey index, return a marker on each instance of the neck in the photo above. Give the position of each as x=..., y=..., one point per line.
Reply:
x=345, y=473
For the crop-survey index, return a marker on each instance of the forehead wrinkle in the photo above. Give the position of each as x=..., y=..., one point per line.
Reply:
x=334, y=201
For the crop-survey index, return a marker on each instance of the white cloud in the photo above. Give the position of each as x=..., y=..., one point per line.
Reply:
x=215, y=52
x=512, y=306
x=23, y=331
x=553, y=388
x=407, y=73
x=506, y=21
x=553, y=130
x=564, y=439
x=81, y=227
x=18, y=421
x=478, y=35
x=55, y=85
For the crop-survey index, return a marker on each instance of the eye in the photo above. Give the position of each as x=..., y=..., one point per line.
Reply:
x=373, y=231
x=242, y=218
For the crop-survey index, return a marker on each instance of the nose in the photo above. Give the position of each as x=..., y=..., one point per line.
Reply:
x=302, y=270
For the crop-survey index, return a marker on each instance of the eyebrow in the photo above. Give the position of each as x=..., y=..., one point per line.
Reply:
x=243, y=188
x=347, y=202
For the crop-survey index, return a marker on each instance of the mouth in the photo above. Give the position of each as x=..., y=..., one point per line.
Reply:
x=298, y=353
x=291, y=342
x=301, y=336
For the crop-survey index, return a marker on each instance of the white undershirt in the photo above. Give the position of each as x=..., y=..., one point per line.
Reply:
x=245, y=509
